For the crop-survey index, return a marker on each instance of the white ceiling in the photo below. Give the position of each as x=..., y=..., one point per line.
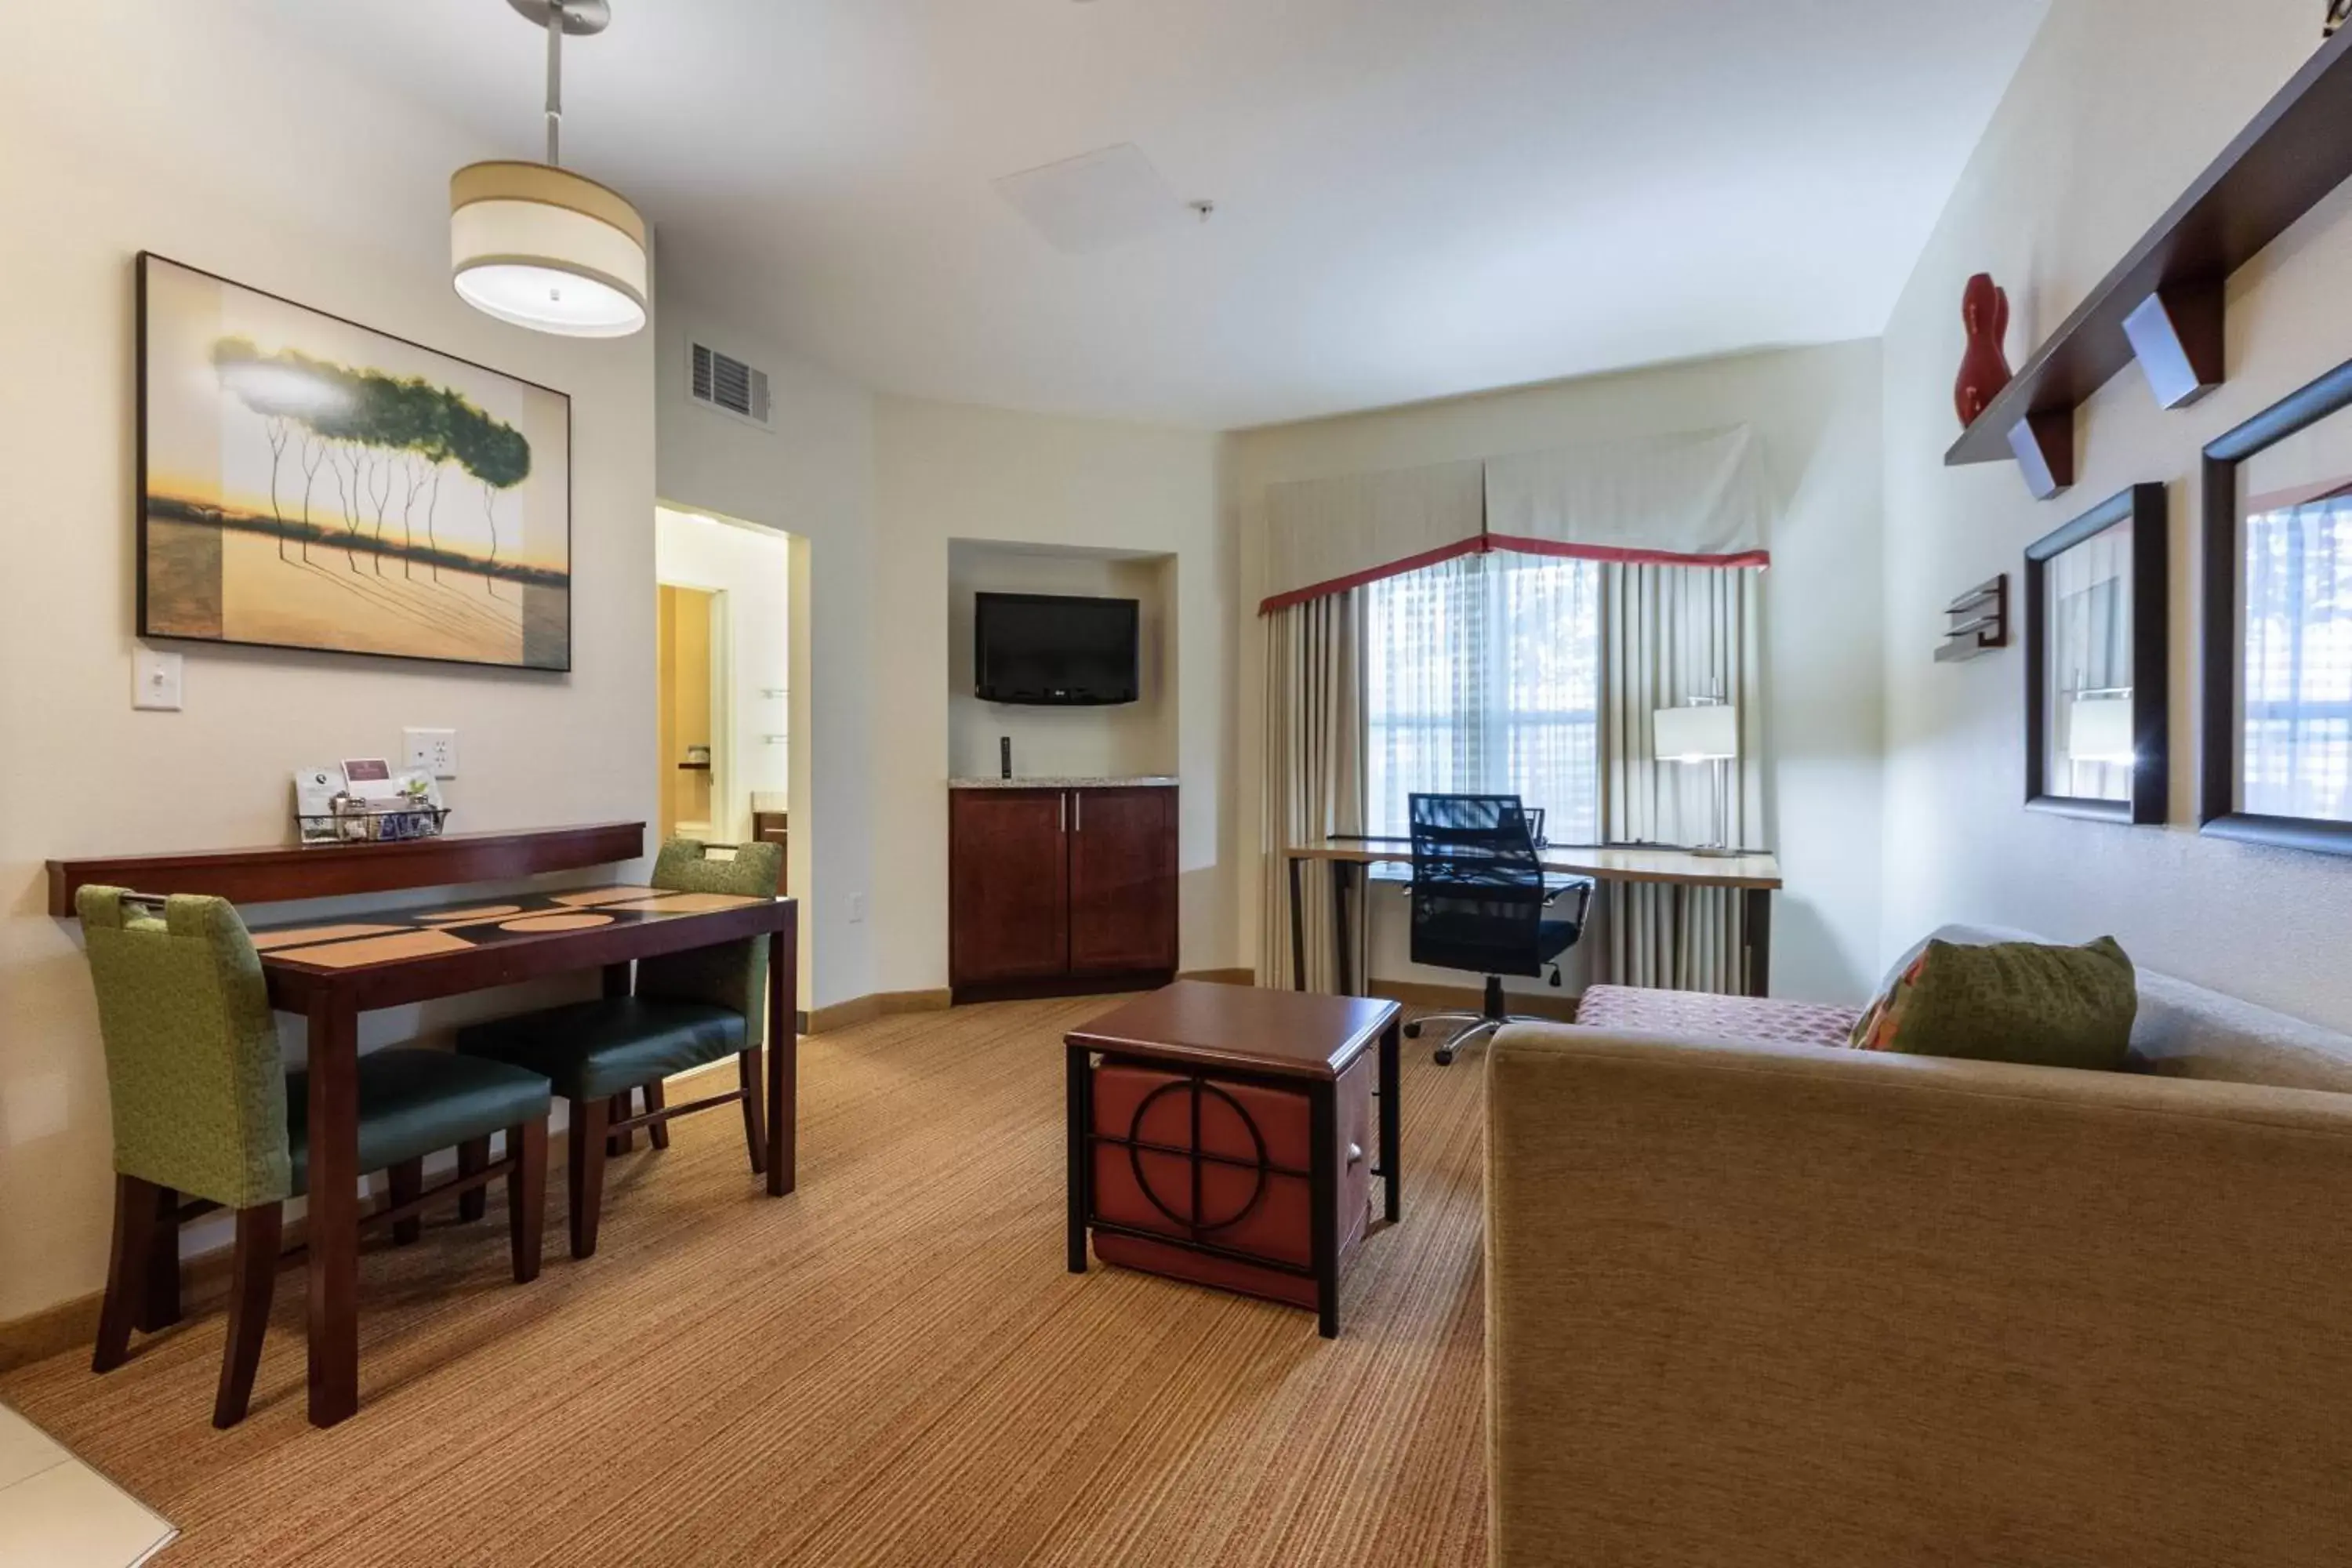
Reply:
x=1414, y=197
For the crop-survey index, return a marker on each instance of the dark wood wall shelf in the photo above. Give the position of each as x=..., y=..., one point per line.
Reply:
x=2162, y=303
x=1978, y=622
x=286, y=872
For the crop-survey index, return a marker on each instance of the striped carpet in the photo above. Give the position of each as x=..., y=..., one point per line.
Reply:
x=890, y=1366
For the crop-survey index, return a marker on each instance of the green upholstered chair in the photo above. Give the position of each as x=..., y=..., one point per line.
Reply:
x=205, y=1109
x=687, y=1010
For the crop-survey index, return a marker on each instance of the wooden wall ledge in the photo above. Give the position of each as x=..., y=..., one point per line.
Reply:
x=2162, y=302
x=283, y=873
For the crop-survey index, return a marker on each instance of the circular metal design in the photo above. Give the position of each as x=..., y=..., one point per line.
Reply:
x=1134, y=1156
x=582, y=19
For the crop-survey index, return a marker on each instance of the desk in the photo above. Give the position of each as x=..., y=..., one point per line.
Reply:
x=1755, y=877
x=332, y=972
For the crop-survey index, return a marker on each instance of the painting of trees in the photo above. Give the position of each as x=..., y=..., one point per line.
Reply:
x=381, y=435
x=308, y=482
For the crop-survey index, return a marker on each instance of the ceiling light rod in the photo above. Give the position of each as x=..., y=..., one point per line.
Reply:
x=580, y=18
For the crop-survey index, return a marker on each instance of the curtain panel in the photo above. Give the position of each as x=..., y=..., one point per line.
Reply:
x=1687, y=499
x=1314, y=784
x=1668, y=635
x=1327, y=536
x=1700, y=499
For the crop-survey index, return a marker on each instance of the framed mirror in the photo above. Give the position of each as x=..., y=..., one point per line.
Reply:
x=2094, y=663
x=2275, y=763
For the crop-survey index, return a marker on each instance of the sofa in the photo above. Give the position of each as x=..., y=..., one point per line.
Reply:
x=1758, y=1302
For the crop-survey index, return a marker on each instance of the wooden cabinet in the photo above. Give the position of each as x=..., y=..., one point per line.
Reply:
x=1122, y=880
x=1060, y=890
x=1008, y=891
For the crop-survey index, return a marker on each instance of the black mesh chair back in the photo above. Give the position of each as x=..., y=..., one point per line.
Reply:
x=1477, y=885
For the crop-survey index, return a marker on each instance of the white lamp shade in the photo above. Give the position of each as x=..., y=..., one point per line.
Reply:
x=2099, y=729
x=1708, y=733
x=544, y=249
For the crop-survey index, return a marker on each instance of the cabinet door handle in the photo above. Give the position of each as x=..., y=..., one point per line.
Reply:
x=1079, y=812
x=1062, y=810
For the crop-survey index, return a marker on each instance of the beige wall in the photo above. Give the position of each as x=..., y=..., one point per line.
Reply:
x=186, y=130
x=1817, y=413
x=2119, y=104
x=951, y=472
x=812, y=478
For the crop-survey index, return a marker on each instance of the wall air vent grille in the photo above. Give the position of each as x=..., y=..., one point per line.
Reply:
x=721, y=380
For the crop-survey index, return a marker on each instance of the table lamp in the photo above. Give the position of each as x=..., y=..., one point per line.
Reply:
x=1702, y=732
x=2099, y=729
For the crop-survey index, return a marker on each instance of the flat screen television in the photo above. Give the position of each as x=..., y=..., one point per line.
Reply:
x=1054, y=649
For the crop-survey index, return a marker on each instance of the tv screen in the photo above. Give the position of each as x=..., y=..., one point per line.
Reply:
x=1052, y=650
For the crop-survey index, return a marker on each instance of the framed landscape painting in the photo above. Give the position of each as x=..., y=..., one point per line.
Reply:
x=305, y=482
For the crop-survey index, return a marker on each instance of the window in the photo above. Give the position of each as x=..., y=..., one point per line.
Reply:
x=2297, y=760
x=1483, y=677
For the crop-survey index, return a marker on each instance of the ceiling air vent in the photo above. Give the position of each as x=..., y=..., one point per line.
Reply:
x=725, y=383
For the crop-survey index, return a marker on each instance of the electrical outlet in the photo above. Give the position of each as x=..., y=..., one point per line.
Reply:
x=433, y=748
x=155, y=679
x=856, y=908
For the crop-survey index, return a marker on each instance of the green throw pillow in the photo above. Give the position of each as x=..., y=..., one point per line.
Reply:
x=2009, y=1002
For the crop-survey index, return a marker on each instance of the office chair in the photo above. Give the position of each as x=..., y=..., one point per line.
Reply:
x=1480, y=903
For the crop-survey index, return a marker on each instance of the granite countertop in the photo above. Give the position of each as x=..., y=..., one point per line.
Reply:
x=1151, y=781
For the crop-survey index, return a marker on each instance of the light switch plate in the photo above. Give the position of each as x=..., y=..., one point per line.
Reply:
x=433, y=749
x=155, y=679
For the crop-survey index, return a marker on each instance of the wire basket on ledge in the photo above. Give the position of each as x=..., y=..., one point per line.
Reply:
x=362, y=825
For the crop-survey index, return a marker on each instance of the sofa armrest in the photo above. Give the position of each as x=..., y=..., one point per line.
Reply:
x=1759, y=1304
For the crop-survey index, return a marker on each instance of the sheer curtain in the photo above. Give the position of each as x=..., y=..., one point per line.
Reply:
x=2298, y=662
x=1670, y=634
x=1482, y=675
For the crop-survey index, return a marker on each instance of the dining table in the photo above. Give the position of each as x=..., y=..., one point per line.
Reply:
x=331, y=970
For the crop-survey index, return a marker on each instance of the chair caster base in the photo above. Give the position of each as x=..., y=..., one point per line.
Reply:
x=1413, y=1031
x=1444, y=1059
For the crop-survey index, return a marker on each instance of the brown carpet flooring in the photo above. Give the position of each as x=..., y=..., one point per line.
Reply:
x=890, y=1366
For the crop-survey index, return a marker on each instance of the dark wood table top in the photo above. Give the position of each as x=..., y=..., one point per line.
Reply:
x=409, y=954
x=1293, y=1033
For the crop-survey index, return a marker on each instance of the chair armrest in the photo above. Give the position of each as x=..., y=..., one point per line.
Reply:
x=1783, y=1304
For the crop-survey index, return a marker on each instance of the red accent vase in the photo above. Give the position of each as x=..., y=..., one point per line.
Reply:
x=1984, y=368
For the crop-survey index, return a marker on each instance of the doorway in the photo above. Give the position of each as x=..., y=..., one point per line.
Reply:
x=727, y=645
x=688, y=629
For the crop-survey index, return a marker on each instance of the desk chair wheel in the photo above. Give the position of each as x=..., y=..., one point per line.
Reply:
x=1413, y=1030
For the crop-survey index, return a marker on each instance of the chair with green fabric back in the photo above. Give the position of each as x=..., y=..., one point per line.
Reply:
x=204, y=1107
x=687, y=1010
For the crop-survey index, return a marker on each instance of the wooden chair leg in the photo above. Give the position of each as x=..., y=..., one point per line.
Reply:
x=253, y=1274
x=407, y=1180
x=527, y=1196
x=618, y=1110
x=658, y=1133
x=472, y=1159
x=584, y=1172
x=755, y=1131
x=159, y=1301
x=137, y=1209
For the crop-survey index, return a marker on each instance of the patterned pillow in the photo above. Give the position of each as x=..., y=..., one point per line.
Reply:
x=2013, y=1001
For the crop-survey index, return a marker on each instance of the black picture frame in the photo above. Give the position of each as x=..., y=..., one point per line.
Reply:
x=144, y=620
x=2217, y=793
x=2143, y=507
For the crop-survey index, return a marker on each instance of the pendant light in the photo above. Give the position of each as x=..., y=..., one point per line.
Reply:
x=536, y=245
